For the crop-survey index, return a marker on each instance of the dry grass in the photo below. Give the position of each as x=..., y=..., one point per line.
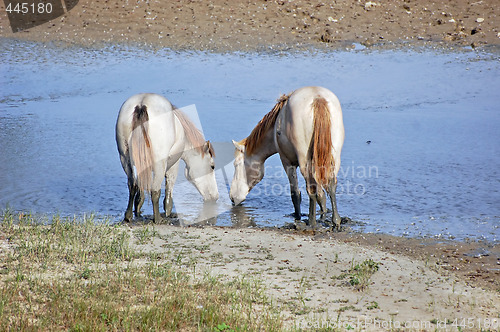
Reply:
x=84, y=274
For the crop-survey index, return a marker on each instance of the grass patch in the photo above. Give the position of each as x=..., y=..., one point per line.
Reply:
x=83, y=274
x=360, y=274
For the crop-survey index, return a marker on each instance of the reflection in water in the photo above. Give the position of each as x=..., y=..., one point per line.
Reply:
x=206, y=214
x=242, y=217
x=431, y=168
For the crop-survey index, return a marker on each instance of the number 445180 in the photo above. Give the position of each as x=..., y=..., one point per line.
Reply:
x=31, y=8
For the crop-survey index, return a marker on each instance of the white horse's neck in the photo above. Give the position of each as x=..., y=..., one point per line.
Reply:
x=266, y=149
x=187, y=152
x=190, y=154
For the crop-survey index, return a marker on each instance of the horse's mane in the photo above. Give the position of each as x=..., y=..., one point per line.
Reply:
x=253, y=140
x=193, y=134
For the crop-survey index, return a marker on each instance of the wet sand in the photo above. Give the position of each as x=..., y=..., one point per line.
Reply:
x=222, y=25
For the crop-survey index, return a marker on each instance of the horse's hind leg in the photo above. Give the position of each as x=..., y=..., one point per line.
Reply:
x=155, y=198
x=332, y=189
x=132, y=185
x=170, y=178
x=132, y=190
x=291, y=172
x=321, y=199
x=312, y=210
x=312, y=191
x=159, y=173
x=138, y=202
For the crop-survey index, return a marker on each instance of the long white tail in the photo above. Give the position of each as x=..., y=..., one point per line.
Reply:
x=140, y=148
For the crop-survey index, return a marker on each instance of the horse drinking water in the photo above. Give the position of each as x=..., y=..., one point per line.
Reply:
x=307, y=130
x=152, y=136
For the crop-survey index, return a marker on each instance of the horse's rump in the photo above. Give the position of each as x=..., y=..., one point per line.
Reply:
x=140, y=148
x=320, y=148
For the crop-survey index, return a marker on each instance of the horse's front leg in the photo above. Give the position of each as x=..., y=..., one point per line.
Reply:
x=291, y=172
x=332, y=189
x=170, y=179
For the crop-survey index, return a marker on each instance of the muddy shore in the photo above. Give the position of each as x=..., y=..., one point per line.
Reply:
x=221, y=25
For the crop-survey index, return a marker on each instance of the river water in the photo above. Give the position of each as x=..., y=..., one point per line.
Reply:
x=421, y=156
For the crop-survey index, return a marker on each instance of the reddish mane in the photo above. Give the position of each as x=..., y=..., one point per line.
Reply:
x=253, y=141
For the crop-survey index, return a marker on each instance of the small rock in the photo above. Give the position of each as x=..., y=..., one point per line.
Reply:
x=300, y=226
x=480, y=20
x=370, y=4
x=367, y=43
x=327, y=37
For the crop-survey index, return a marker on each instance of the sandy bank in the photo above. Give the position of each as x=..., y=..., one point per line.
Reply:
x=310, y=277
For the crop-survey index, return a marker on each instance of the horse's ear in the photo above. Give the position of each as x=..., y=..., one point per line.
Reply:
x=240, y=147
x=208, y=148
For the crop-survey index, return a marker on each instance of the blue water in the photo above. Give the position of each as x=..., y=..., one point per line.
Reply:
x=433, y=119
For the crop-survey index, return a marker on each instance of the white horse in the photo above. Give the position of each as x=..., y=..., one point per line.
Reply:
x=153, y=136
x=307, y=130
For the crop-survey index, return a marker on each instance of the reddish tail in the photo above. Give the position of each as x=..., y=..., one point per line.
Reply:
x=321, y=146
x=140, y=148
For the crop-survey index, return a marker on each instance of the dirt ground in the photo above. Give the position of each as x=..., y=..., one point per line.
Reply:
x=224, y=25
x=417, y=286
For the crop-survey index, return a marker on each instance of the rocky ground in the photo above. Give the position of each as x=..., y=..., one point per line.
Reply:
x=223, y=25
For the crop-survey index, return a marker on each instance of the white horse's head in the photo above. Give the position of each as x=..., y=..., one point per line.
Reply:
x=247, y=173
x=200, y=171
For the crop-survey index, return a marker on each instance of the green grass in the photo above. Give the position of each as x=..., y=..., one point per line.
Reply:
x=360, y=274
x=83, y=274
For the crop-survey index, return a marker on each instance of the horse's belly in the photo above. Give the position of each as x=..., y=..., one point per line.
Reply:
x=286, y=149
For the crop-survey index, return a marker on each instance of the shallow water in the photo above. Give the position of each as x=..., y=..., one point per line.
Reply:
x=432, y=118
